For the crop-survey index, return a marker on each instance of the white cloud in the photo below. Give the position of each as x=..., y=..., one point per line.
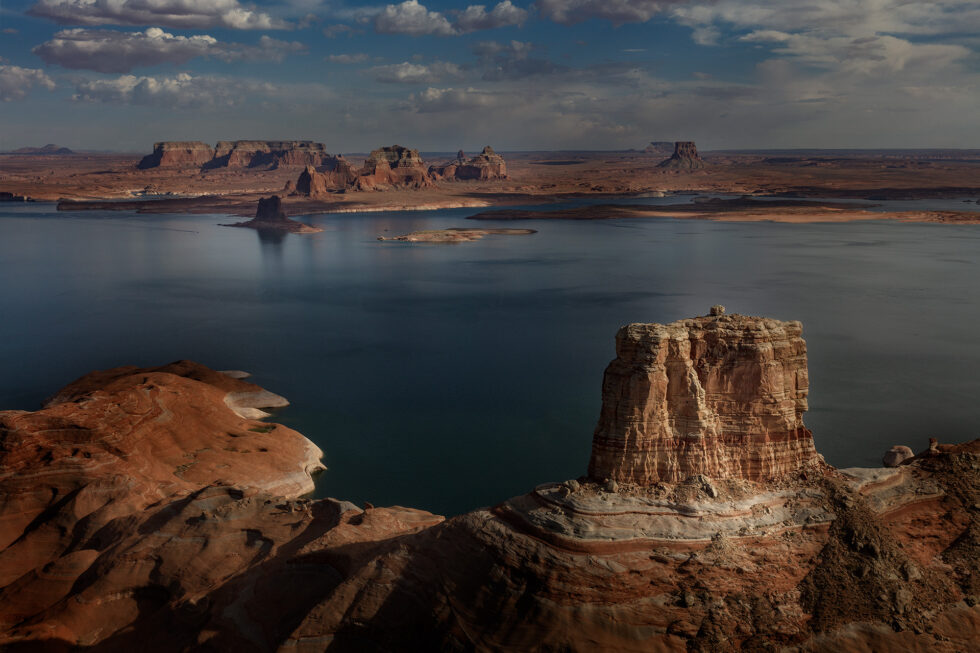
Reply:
x=868, y=55
x=415, y=19
x=185, y=14
x=15, y=82
x=110, y=51
x=359, y=57
x=412, y=18
x=433, y=100
x=476, y=17
x=182, y=90
x=616, y=11
x=411, y=73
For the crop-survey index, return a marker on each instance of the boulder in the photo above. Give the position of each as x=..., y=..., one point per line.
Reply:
x=897, y=455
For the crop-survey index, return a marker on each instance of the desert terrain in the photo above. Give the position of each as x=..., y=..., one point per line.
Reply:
x=117, y=182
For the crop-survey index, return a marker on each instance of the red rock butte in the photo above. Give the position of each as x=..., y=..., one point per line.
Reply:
x=722, y=395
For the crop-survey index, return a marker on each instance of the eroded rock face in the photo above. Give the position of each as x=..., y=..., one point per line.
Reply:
x=484, y=166
x=270, y=216
x=685, y=157
x=335, y=175
x=393, y=166
x=106, y=546
x=721, y=395
x=268, y=154
x=177, y=154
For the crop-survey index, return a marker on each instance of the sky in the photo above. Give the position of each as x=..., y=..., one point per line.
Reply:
x=518, y=74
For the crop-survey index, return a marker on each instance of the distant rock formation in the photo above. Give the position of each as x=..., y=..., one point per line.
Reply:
x=721, y=395
x=235, y=154
x=385, y=168
x=270, y=216
x=49, y=149
x=177, y=154
x=685, y=157
x=335, y=175
x=484, y=166
x=268, y=154
x=393, y=166
x=660, y=148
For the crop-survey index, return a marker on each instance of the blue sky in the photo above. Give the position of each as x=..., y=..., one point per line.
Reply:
x=517, y=74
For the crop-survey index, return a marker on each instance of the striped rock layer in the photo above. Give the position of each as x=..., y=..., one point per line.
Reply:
x=722, y=396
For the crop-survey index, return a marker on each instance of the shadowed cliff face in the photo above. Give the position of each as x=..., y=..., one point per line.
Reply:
x=143, y=509
x=720, y=395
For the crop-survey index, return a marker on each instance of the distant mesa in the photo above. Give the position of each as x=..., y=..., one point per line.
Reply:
x=484, y=166
x=385, y=168
x=270, y=216
x=267, y=155
x=685, y=157
x=7, y=196
x=49, y=149
x=660, y=148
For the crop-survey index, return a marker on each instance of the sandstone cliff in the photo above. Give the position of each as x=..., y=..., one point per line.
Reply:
x=177, y=154
x=123, y=531
x=268, y=154
x=486, y=165
x=235, y=154
x=721, y=395
x=335, y=175
x=685, y=157
x=393, y=166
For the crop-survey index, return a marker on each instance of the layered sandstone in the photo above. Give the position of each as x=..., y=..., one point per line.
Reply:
x=334, y=175
x=393, y=166
x=817, y=560
x=685, y=157
x=268, y=154
x=721, y=395
x=484, y=166
x=177, y=154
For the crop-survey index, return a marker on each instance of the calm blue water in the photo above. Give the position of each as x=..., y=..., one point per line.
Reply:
x=448, y=377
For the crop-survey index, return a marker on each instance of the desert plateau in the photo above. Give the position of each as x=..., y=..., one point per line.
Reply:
x=530, y=326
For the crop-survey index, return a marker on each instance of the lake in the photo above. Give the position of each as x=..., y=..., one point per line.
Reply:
x=448, y=377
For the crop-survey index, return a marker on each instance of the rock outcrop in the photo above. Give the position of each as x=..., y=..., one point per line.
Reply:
x=335, y=175
x=721, y=395
x=685, y=157
x=270, y=216
x=484, y=166
x=122, y=532
x=386, y=168
x=177, y=154
x=393, y=166
x=268, y=154
x=235, y=154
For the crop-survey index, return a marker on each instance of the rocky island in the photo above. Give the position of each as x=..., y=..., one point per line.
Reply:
x=152, y=509
x=270, y=216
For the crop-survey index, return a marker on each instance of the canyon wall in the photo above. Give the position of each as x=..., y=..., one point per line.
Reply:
x=177, y=154
x=235, y=154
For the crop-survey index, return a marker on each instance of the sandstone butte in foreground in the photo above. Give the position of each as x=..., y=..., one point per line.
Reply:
x=151, y=510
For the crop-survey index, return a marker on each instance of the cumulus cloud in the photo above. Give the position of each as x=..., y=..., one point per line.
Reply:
x=413, y=73
x=434, y=100
x=186, y=14
x=412, y=18
x=182, y=90
x=617, y=11
x=476, y=17
x=110, y=51
x=16, y=82
x=868, y=55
